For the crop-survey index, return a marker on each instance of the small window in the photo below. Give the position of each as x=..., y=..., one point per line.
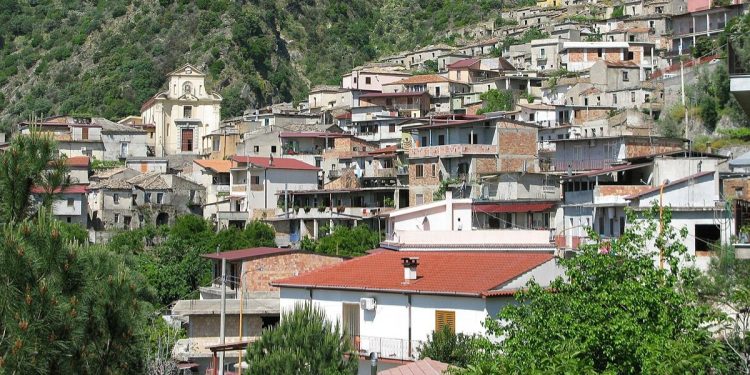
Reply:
x=625, y=76
x=147, y=197
x=433, y=169
x=441, y=139
x=70, y=202
x=117, y=218
x=632, y=96
x=541, y=52
x=391, y=128
x=273, y=149
x=256, y=149
x=84, y=133
x=424, y=142
x=599, y=52
x=368, y=80
x=187, y=111
x=419, y=170
x=159, y=198
x=216, y=143
x=443, y=319
x=69, y=219
x=116, y=198
x=614, y=98
x=255, y=180
x=126, y=220
x=531, y=117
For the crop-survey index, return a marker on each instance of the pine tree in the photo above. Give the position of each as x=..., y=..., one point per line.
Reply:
x=305, y=342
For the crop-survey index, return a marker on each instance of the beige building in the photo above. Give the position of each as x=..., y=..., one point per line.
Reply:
x=183, y=114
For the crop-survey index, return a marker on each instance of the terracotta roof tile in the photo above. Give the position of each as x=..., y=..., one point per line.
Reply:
x=425, y=366
x=462, y=64
x=218, y=166
x=78, y=162
x=424, y=78
x=439, y=272
x=72, y=189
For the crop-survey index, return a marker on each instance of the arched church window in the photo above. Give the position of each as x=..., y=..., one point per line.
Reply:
x=187, y=88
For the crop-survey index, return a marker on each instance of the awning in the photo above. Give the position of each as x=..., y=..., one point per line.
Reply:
x=187, y=365
x=513, y=207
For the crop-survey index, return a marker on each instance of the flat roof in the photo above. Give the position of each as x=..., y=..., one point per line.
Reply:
x=249, y=253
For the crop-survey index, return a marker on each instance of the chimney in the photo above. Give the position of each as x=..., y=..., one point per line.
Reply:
x=410, y=268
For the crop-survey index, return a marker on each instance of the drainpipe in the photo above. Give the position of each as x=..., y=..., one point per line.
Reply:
x=408, y=305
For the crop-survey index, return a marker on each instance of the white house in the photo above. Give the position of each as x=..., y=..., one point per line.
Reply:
x=458, y=224
x=70, y=204
x=390, y=302
x=183, y=114
x=255, y=183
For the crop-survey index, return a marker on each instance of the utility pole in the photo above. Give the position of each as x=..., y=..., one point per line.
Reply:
x=223, y=312
x=682, y=89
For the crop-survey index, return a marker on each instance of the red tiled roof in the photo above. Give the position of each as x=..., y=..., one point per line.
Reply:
x=393, y=94
x=425, y=366
x=276, y=163
x=620, y=64
x=462, y=64
x=513, y=207
x=344, y=116
x=72, y=189
x=439, y=272
x=78, y=162
x=251, y=253
x=673, y=183
x=385, y=150
x=424, y=78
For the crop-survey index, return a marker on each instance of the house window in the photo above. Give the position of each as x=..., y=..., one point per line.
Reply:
x=117, y=218
x=419, y=170
x=541, y=52
x=614, y=98
x=424, y=142
x=273, y=149
x=441, y=139
x=187, y=111
x=126, y=220
x=443, y=319
x=116, y=198
x=70, y=202
x=159, y=198
x=632, y=96
x=84, y=133
x=625, y=76
x=391, y=128
x=187, y=88
x=256, y=149
x=367, y=80
x=629, y=56
x=255, y=180
x=187, y=139
x=147, y=197
x=437, y=91
x=217, y=143
x=473, y=139
x=585, y=101
x=531, y=117
x=123, y=149
x=433, y=169
x=599, y=52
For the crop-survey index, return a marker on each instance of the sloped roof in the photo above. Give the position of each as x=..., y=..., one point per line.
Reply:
x=671, y=184
x=78, y=162
x=249, y=253
x=113, y=127
x=275, y=163
x=71, y=189
x=424, y=78
x=112, y=184
x=463, y=64
x=439, y=272
x=150, y=181
x=425, y=366
x=218, y=166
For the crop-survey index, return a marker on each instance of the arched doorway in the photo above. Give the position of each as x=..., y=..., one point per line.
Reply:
x=162, y=219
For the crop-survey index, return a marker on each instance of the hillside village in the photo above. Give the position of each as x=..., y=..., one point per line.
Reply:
x=480, y=165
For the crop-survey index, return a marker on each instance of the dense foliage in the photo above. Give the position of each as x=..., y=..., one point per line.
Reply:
x=496, y=100
x=446, y=346
x=616, y=312
x=115, y=55
x=344, y=241
x=305, y=342
x=170, y=257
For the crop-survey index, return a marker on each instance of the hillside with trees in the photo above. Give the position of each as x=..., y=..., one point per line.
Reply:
x=107, y=58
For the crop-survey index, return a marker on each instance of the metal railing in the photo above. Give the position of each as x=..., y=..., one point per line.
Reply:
x=388, y=348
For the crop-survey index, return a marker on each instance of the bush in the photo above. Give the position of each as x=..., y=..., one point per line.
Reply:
x=449, y=347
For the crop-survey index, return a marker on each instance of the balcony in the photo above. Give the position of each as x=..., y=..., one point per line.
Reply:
x=388, y=348
x=232, y=215
x=582, y=165
x=385, y=172
x=739, y=80
x=455, y=151
x=221, y=188
x=239, y=188
x=338, y=212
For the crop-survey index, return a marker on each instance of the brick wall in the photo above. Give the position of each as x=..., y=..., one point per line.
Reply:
x=642, y=147
x=620, y=190
x=264, y=270
x=517, y=144
x=737, y=188
x=576, y=55
x=208, y=325
x=426, y=184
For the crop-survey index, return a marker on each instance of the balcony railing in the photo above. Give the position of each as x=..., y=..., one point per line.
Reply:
x=452, y=150
x=232, y=215
x=221, y=188
x=582, y=165
x=385, y=172
x=388, y=348
x=238, y=189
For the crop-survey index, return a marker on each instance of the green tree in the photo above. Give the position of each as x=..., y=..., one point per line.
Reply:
x=446, y=346
x=615, y=312
x=496, y=100
x=345, y=241
x=305, y=342
x=66, y=308
x=29, y=161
